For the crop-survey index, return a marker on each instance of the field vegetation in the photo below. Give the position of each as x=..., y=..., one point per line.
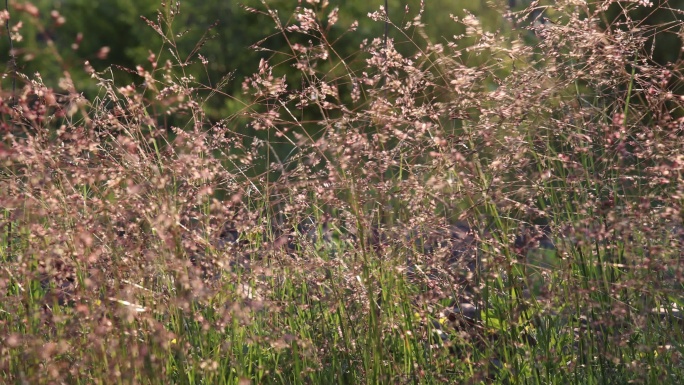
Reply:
x=499, y=206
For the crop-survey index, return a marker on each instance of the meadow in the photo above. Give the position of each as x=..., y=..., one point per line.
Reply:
x=502, y=206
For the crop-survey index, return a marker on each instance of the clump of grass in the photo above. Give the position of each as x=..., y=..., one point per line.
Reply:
x=503, y=207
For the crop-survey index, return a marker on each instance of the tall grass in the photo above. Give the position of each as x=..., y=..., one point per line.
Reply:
x=502, y=207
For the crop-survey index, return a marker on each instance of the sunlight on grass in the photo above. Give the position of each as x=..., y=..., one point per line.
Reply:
x=499, y=207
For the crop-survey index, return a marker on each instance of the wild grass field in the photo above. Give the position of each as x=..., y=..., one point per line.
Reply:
x=498, y=207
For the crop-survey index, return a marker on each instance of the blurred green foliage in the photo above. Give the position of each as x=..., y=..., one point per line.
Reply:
x=113, y=34
x=223, y=32
x=230, y=30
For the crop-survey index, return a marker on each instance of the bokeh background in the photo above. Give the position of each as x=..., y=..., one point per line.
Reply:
x=59, y=36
